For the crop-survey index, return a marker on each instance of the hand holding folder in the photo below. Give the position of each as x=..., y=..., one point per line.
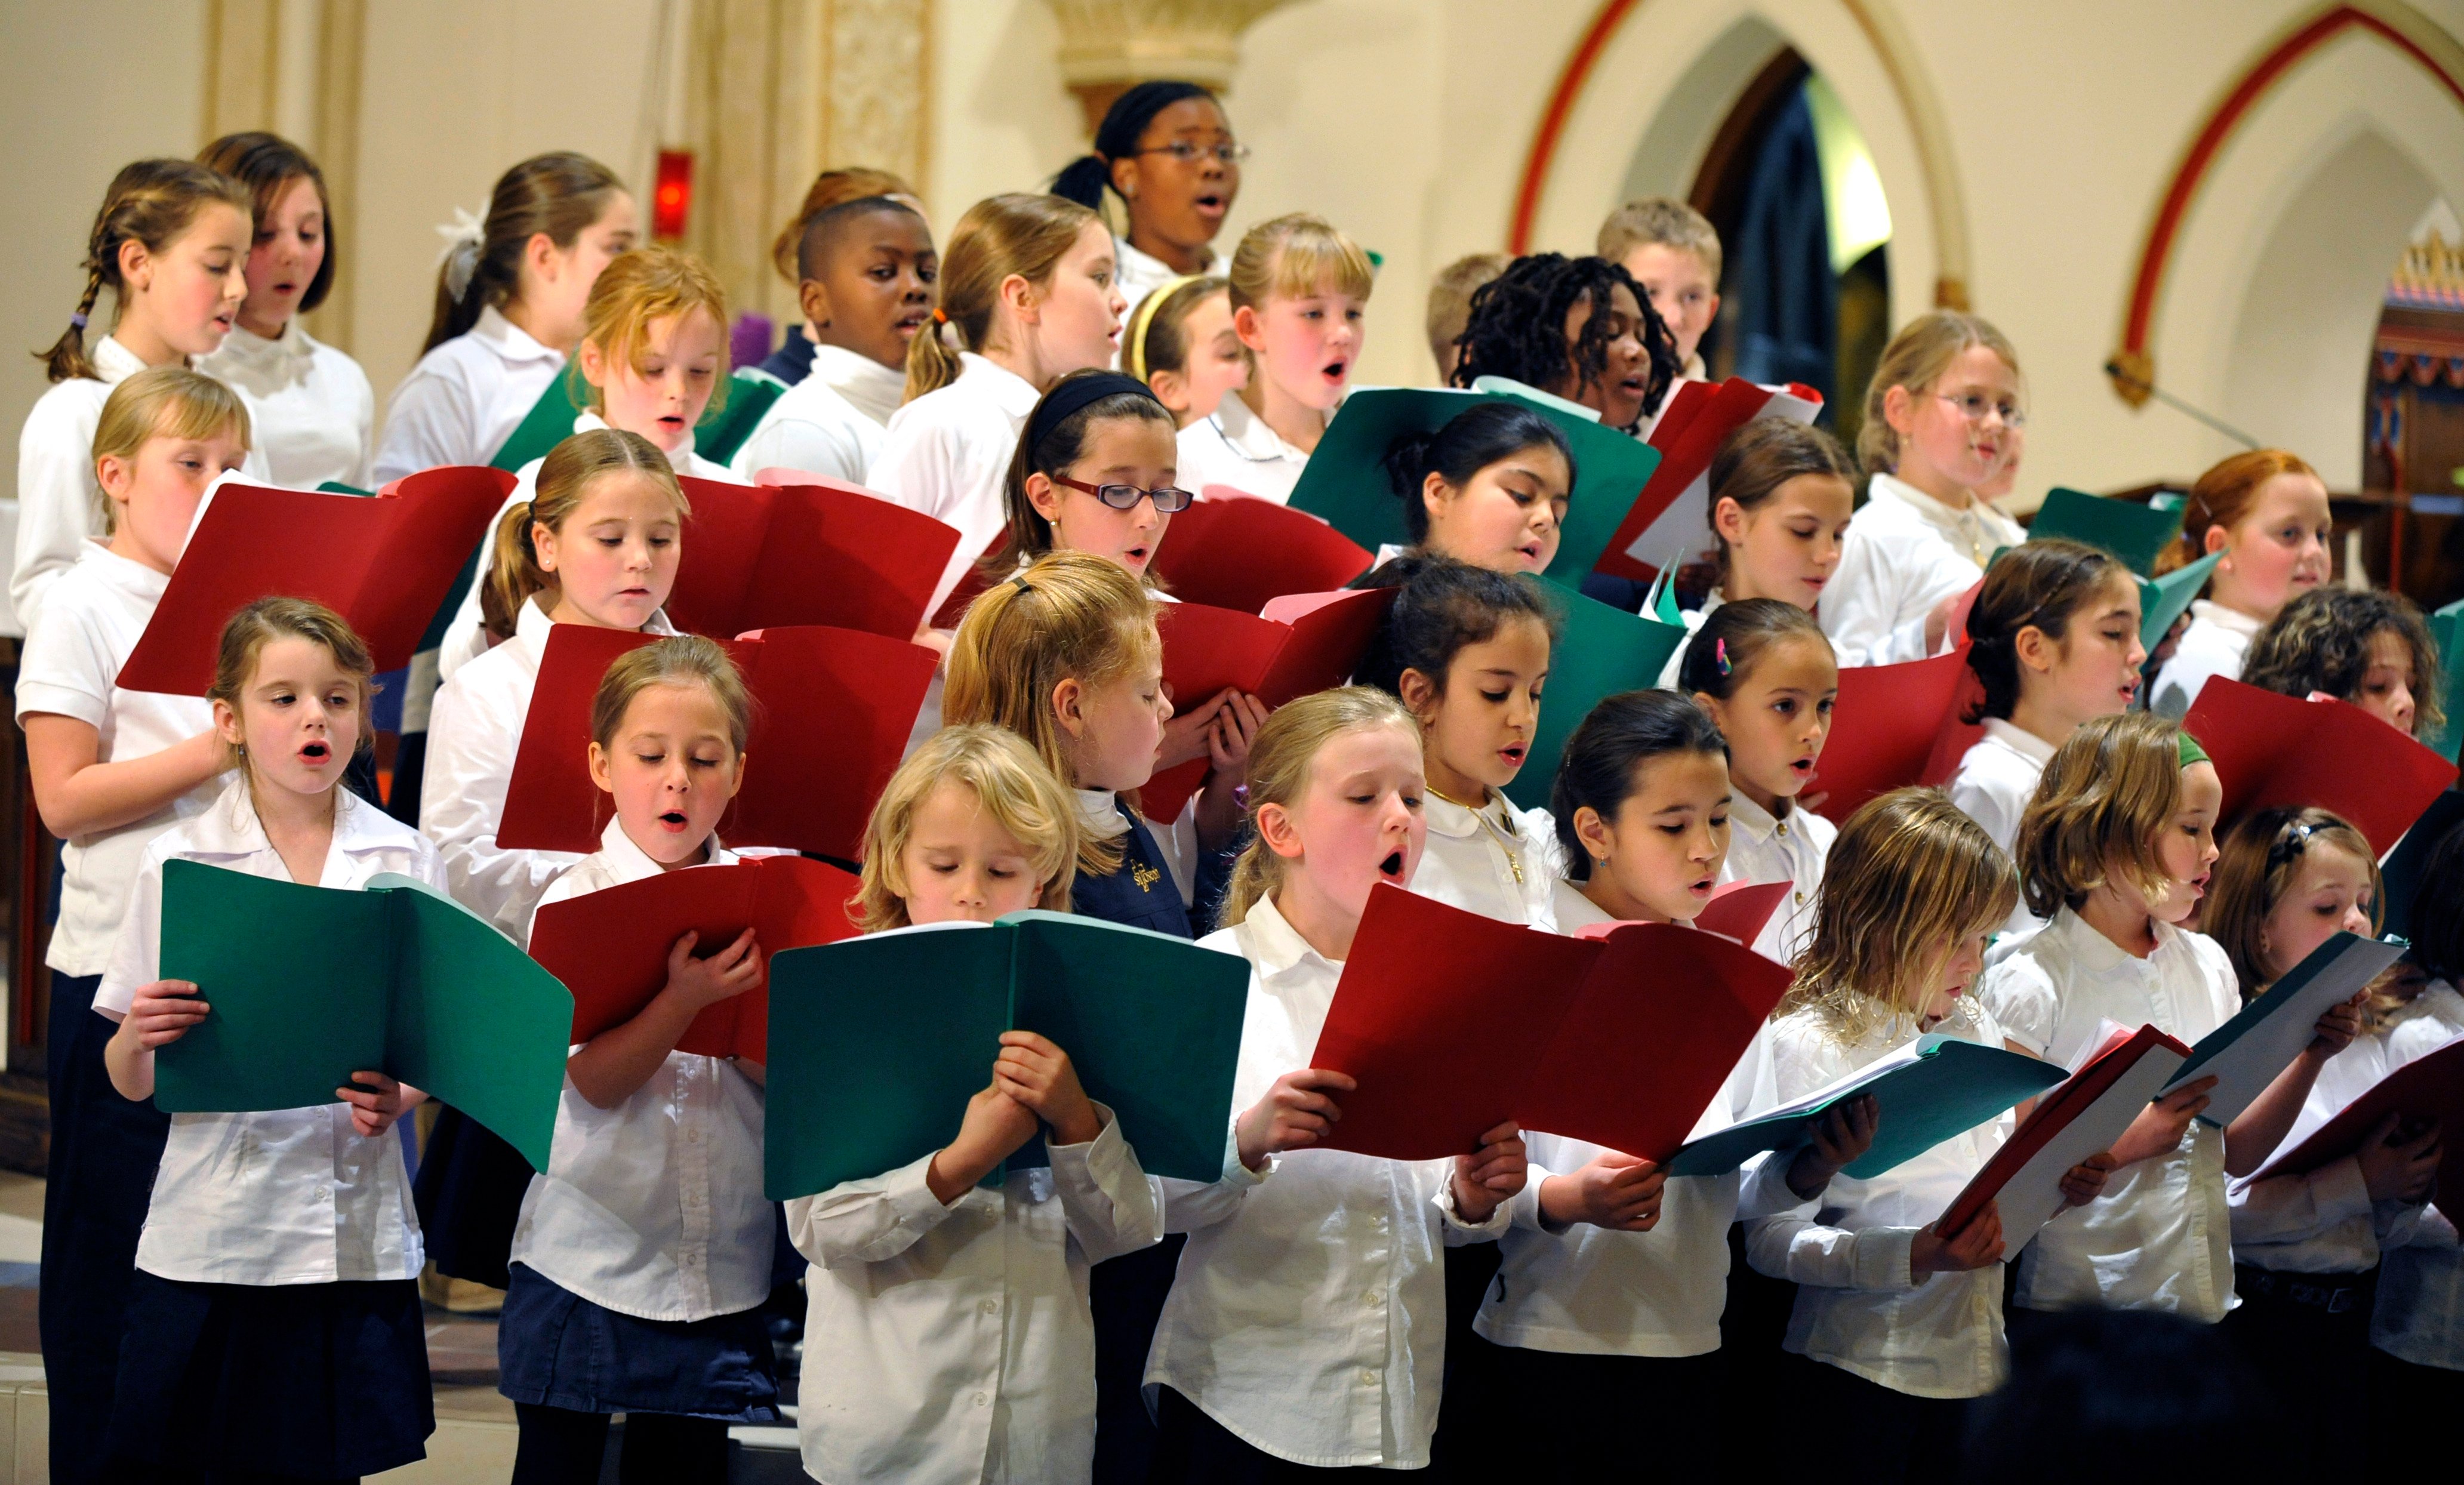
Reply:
x=1239, y=551
x=385, y=563
x=833, y=709
x=1452, y=1023
x=2276, y=749
x=432, y=995
x=1302, y=644
x=610, y=949
x=1600, y=652
x=2429, y=1090
x=877, y=1042
x=2246, y=1054
x=825, y=555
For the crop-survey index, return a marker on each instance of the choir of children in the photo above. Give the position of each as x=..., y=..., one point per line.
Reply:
x=233, y=1292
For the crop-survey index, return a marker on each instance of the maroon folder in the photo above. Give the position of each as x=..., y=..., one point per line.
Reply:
x=825, y=553
x=2428, y=1090
x=1892, y=726
x=1240, y=552
x=2278, y=750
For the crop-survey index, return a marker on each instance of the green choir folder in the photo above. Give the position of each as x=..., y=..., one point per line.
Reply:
x=1345, y=482
x=1935, y=1088
x=1600, y=652
x=720, y=432
x=2447, y=630
x=2163, y=600
x=877, y=1042
x=428, y=993
x=2132, y=531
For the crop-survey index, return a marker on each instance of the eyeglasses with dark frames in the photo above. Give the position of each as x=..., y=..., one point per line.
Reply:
x=1187, y=153
x=1168, y=500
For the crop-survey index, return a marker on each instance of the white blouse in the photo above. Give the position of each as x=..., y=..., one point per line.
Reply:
x=1497, y=860
x=295, y=1195
x=947, y=454
x=314, y=412
x=1308, y=1315
x=652, y=1207
x=1233, y=445
x=465, y=398
x=1860, y=1305
x=2420, y=1314
x=1593, y=1291
x=59, y=501
x=2160, y=1238
x=872, y=388
x=1905, y=552
x=1791, y=850
x=473, y=732
x=2216, y=641
x=954, y=1344
x=815, y=429
x=1996, y=779
x=96, y=614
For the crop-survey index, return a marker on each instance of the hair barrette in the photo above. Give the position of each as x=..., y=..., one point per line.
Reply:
x=940, y=316
x=76, y=321
x=1023, y=586
x=1720, y=653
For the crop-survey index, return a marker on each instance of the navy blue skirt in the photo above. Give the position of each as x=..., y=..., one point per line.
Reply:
x=557, y=1350
x=315, y=1381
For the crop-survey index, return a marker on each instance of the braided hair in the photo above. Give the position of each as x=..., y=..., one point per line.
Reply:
x=1517, y=327
x=151, y=202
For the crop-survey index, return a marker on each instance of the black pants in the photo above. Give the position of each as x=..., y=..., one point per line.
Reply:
x=104, y=1151
x=1464, y=1418
x=1556, y=1416
x=1126, y=1296
x=1893, y=1438
x=1193, y=1449
x=2309, y=1335
x=2402, y=1394
x=561, y=1446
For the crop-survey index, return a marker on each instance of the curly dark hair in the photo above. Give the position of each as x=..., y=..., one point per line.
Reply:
x=2321, y=643
x=1517, y=327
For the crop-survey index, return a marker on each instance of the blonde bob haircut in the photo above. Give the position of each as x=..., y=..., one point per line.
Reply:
x=163, y=402
x=566, y=477
x=1915, y=359
x=1069, y=615
x=1010, y=783
x=1291, y=256
x=1279, y=758
x=260, y=624
x=1909, y=879
x=685, y=660
x=1000, y=237
x=636, y=291
x=2257, y=866
x=2101, y=809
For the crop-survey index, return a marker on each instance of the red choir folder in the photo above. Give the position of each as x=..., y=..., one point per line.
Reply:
x=610, y=949
x=2277, y=749
x=2082, y=1117
x=2426, y=1090
x=1740, y=909
x=1304, y=643
x=383, y=563
x=1673, y=513
x=832, y=712
x=1453, y=1024
x=1893, y=726
x=1235, y=551
x=823, y=553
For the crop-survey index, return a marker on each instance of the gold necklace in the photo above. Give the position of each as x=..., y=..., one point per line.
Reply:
x=1496, y=831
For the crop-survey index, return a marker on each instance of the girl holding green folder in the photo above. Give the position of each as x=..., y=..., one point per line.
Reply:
x=273, y=1323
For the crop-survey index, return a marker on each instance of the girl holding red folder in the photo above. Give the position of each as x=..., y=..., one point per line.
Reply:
x=643, y=1253
x=1307, y=1325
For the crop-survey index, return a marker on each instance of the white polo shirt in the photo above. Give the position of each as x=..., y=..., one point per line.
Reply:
x=465, y=398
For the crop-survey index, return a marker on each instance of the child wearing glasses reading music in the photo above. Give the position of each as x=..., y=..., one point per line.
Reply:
x=1941, y=419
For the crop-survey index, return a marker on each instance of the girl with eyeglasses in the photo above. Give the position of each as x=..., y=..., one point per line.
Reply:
x=1942, y=420
x=1166, y=150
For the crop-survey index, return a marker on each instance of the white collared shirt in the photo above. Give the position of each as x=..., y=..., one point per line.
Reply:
x=1593, y=1291
x=474, y=731
x=297, y=1196
x=1233, y=445
x=870, y=388
x=813, y=427
x=1860, y=1306
x=2160, y=1238
x=1996, y=779
x=94, y=615
x=1791, y=850
x=947, y=454
x=2420, y=1314
x=1905, y=552
x=466, y=639
x=2321, y=1221
x=1308, y=1315
x=2216, y=641
x=954, y=1344
x=314, y=412
x=1498, y=861
x=652, y=1207
x=465, y=398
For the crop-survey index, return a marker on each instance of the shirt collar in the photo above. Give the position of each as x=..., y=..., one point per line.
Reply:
x=1982, y=525
x=115, y=362
x=532, y=627
x=250, y=349
x=2020, y=740
x=511, y=340
x=627, y=862
x=1276, y=948
x=1574, y=911
x=1248, y=434
x=126, y=574
x=1757, y=823
x=230, y=828
x=875, y=389
x=1457, y=822
x=2097, y=954
x=1099, y=810
x=2228, y=618
x=1010, y=392
x=682, y=462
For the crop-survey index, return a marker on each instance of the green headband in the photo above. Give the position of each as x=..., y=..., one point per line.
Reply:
x=2188, y=749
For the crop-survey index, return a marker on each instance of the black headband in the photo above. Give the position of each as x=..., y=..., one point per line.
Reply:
x=1074, y=393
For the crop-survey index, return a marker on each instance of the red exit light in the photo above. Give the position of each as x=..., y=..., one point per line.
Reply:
x=671, y=199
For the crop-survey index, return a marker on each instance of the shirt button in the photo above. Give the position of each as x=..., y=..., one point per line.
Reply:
x=1782, y=829
x=1801, y=899
x=1369, y=1376
x=992, y=1306
x=982, y=1399
x=1371, y=1297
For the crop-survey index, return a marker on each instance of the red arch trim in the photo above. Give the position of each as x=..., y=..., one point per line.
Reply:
x=2155, y=254
x=1571, y=79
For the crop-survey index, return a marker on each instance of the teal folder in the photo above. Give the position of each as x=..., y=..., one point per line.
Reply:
x=310, y=984
x=1943, y=1086
x=2132, y=531
x=877, y=1042
x=2163, y=600
x=2247, y=1053
x=1345, y=482
x=2447, y=632
x=2400, y=874
x=1600, y=652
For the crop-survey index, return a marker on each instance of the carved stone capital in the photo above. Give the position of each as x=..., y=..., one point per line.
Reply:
x=1109, y=46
